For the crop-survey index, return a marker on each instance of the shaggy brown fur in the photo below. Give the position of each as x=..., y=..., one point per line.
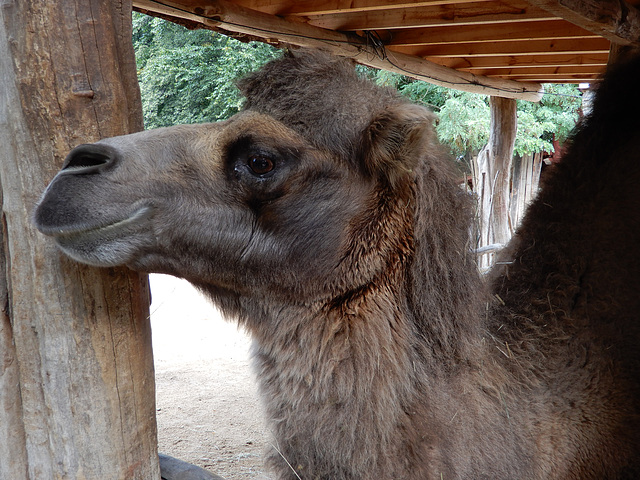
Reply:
x=324, y=218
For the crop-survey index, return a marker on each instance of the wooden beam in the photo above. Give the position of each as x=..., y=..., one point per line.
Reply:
x=570, y=46
x=431, y=16
x=230, y=18
x=568, y=80
x=558, y=78
x=616, y=20
x=508, y=32
x=550, y=72
x=521, y=61
x=325, y=7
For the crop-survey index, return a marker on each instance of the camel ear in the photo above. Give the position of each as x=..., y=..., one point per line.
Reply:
x=396, y=140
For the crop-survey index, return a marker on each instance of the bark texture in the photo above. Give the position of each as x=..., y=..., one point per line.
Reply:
x=76, y=384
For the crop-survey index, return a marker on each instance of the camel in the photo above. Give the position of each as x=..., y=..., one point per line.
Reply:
x=326, y=220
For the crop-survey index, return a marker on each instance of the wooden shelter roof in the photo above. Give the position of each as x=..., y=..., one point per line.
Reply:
x=498, y=47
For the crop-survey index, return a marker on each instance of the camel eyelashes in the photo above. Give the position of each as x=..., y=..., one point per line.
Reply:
x=261, y=164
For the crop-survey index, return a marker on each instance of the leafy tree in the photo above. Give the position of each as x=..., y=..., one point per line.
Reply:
x=464, y=117
x=187, y=76
x=553, y=118
x=464, y=123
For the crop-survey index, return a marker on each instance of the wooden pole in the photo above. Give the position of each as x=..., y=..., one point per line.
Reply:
x=492, y=175
x=77, y=394
x=525, y=177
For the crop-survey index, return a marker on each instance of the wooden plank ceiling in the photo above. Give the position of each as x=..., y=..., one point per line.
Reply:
x=501, y=47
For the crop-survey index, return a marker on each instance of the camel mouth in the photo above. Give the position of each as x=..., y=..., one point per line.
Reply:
x=107, y=244
x=102, y=229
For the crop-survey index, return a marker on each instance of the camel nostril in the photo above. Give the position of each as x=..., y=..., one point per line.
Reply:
x=90, y=158
x=84, y=161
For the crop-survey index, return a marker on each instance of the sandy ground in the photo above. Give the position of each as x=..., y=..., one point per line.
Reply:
x=207, y=404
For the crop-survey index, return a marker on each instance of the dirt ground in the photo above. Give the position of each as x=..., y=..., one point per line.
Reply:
x=207, y=403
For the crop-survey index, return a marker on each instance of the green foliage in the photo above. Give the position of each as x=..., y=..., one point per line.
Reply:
x=464, y=123
x=533, y=135
x=558, y=110
x=427, y=94
x=188, y=76
x=465, y=117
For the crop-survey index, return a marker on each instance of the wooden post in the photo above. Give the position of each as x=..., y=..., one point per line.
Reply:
x=492, y=175
x=525, y=178
x=77, y=387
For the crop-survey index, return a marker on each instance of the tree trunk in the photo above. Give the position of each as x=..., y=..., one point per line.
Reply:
x=492, y=177
x=77, y=388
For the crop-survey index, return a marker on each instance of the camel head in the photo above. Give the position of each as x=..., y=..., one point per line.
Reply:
x=268, y=202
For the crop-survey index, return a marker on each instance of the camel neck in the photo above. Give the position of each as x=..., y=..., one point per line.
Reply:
x=341, y=374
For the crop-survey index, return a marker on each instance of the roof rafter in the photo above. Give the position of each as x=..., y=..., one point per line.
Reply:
x=431, y=15
x=576, y=46
x=508, y=32
x=325, y=7
x=533, y=61
x=530, y=71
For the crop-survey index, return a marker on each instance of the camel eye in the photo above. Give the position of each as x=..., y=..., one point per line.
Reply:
x=260, y=165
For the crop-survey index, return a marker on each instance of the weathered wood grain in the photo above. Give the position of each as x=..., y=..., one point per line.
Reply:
x=77, y=390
